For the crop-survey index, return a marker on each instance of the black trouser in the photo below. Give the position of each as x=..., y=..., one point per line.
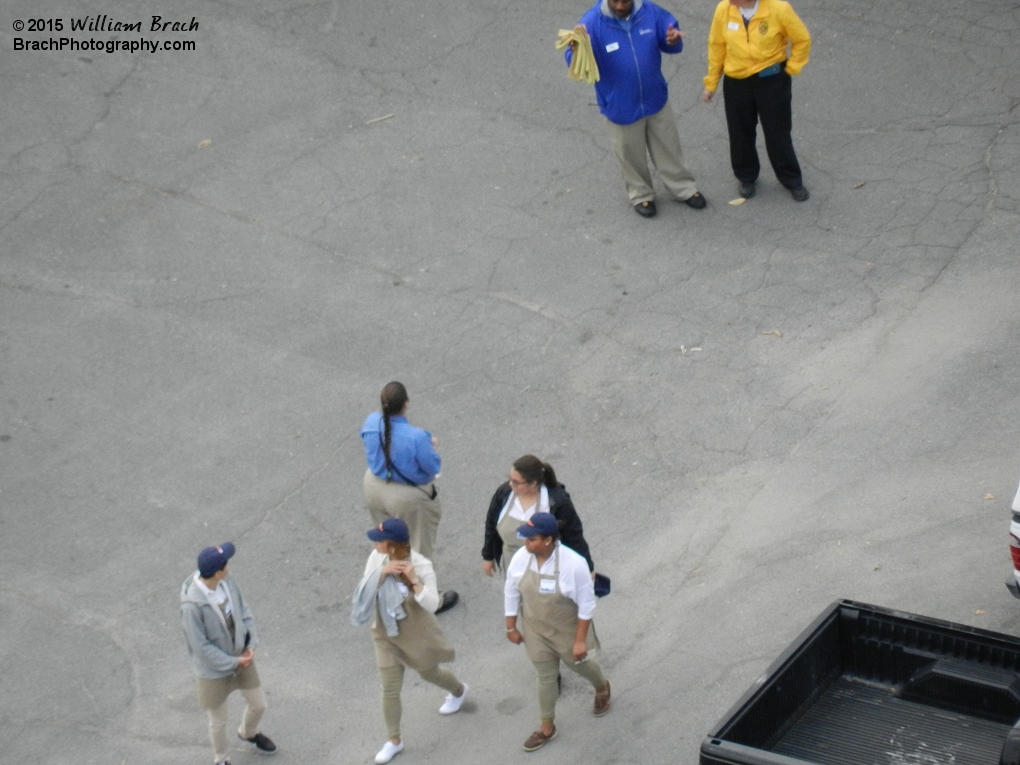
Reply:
x=767, y=99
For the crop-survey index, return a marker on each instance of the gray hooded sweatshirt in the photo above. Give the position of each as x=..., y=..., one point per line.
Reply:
x=205, y=629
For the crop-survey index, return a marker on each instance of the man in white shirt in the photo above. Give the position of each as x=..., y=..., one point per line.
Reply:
x=550, y=587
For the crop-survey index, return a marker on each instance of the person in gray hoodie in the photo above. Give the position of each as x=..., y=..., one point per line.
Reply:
x=220, y=633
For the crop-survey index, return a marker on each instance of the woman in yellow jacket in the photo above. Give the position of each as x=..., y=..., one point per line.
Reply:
x=755, y=46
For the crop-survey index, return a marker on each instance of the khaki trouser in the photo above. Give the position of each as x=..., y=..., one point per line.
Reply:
x=548, y=682
x=409, y=503
x=253, y=711
x=656, y=136
x=392, y=678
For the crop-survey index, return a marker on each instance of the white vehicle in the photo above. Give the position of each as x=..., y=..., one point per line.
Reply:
x=1013, y=581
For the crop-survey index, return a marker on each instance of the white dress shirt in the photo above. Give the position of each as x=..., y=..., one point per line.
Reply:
x=513, y=506
x=574, y=579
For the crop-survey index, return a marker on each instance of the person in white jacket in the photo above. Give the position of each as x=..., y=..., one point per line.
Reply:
x=409, y=635
x=219, y=631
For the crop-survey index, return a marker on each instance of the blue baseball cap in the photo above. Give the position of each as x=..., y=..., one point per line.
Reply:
x=390, y=530
x=212, y=559
x=540, y=523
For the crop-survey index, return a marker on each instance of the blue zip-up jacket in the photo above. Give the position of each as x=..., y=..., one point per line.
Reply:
x=631, y=86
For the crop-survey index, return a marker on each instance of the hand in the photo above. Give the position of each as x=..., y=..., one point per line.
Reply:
x=673, y=35
x=408, y=571
x=488, y=566
x=401, y=568
x=435, y=442
x=707, y=96
x=515, y=637
x=246, y=658
x=580, y=650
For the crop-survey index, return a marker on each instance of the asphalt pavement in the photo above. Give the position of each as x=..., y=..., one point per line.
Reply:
x=212, y=259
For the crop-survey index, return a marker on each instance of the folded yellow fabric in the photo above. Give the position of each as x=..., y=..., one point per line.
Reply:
x=582, y=65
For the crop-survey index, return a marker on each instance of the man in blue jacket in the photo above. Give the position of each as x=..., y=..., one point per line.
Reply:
x=628, y=38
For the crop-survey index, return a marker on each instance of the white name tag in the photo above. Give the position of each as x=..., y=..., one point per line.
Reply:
x=733, y=26
x=644, y=32
x=547, y=586
x=612, y=46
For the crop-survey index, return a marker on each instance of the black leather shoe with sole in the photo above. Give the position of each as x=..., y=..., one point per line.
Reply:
x=645, y=209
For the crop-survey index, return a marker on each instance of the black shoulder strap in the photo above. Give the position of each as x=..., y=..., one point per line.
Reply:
x=391, y=468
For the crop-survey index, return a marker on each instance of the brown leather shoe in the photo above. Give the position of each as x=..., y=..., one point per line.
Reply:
x=602, y=701
x=538, y=739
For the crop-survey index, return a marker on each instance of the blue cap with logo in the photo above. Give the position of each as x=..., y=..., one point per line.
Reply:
x=390, y=530
x=212, y=559
x=540, y=523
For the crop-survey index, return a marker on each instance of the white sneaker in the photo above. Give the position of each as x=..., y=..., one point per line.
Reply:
x=452, y=703
x=389, y=751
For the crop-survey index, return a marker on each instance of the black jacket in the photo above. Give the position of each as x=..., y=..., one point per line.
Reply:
x=571, y=531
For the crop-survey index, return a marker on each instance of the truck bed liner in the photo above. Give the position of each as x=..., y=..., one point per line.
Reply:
x=854, y=722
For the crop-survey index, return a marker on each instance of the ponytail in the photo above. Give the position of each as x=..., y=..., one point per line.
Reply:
x=533, y=469
x=393, y=399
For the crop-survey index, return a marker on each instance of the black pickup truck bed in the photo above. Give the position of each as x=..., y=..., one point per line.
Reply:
x=864, y=685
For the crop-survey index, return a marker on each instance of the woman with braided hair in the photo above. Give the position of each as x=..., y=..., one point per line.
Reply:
x=402, y=467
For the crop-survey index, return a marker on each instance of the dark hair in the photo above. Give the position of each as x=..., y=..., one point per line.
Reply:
x=393, y=398
x=533, y=469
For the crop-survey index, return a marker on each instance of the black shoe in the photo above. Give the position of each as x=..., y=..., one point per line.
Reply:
x=747, y=190
x=262, y=742
x=696, y=200
x=800, y=194
x=645, y=209
x=447, y=601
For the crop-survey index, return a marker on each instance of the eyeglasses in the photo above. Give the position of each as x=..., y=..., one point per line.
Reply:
x=517, y=484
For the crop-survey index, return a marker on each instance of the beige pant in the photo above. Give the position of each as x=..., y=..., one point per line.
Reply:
x=548, y=682
x=254, y=709
x=409, y=503
x=654, y=136
x=392, y=679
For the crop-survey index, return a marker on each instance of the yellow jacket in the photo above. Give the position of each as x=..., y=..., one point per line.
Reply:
x=740, y=52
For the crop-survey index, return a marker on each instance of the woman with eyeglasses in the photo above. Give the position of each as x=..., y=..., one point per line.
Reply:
x=532, y=488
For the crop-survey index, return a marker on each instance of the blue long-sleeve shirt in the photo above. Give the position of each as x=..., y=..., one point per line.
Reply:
x=411, y=450
x=629, y=56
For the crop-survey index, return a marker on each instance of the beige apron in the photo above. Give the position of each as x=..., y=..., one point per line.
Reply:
x=420, y=644
x=550, y=618
x=507, y=529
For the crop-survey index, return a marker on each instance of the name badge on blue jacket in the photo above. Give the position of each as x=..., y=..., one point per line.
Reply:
x=612, y=46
